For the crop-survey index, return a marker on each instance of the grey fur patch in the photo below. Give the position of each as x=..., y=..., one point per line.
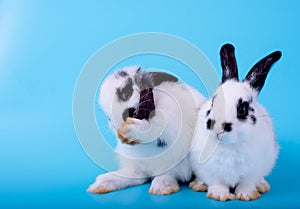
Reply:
x=123, y=73
x=126, y=92
x=161, y=143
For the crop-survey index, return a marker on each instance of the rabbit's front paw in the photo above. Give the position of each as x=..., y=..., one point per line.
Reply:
x=133, y=130
x=263, y=186
x=162, y=185
x=198, y=186
x=102, y=185
x=244, y=192
x=219, y=192
x=98, y=189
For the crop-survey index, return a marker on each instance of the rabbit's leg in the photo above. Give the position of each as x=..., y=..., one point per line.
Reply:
x=164, y=184
x=198, y=185
x=109, y=182
x=218, y=191
x=263, y=186
x=246, y=190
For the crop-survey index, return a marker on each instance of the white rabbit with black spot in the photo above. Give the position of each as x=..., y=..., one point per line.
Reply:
x=234, y=141
x=155, y=146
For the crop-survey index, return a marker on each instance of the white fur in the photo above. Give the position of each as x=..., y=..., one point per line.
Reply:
x=241, y=157
x=176, y=106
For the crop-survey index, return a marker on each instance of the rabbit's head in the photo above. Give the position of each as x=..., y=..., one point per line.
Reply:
x=234, y=110
x=120, y=91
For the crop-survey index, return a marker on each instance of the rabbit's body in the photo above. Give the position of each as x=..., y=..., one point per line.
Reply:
x=161, y=143
x=235, y=144
x=172, y=127
x=245, y=155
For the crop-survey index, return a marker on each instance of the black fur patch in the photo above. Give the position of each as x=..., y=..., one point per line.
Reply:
x=146, y=106
x=129, y=112
x=208, y=112
x=227, y=127
x=242, y=109
x=126, y=92
x=161, y=143
x=210, y=124
x=253, y=118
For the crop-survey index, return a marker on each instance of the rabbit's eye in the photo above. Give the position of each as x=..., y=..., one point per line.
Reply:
x=227, y=126
x=242, y=110
x=123, y=73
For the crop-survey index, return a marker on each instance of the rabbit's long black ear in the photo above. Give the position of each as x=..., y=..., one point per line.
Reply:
x=159, y=78
x=228, y=62
x=258, y=73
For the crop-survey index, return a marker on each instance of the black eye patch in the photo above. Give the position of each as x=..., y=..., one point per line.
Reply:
x=243, y=109
x=227, y=127
x=210, y=124
x=126, y=92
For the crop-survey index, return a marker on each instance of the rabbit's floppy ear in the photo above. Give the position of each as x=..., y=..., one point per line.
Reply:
x=258, y=73
x=159, y=77
x=228, y=62
x=151, y=79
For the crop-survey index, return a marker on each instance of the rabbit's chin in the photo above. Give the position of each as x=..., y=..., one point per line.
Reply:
x=227, y=141
x=230, y=141
x=228, y=138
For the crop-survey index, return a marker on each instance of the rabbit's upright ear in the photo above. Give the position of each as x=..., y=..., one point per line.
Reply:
x=159, y=77
x=228, y=62
x=258, y=73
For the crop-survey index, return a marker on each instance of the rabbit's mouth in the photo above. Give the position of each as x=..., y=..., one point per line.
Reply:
x=220, y=135
x=223, y=137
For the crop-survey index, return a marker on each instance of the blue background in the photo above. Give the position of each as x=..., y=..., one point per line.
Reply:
x=45, y=44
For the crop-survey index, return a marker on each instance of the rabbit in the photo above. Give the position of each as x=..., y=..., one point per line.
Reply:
x=155, y=148
x=234, y=145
